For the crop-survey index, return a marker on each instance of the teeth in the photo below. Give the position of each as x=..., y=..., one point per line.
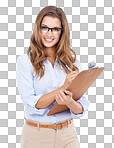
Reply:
x=49, y=39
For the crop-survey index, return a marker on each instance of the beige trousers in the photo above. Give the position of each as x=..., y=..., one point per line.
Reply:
x=34, y=137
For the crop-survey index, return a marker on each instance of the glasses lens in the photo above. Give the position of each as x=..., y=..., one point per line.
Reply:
x=44, y=29
x=56, y=30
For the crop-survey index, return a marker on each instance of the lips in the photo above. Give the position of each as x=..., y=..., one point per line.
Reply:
x=48, y=40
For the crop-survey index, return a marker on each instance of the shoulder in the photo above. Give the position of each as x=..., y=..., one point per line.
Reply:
x=24, y=59
x=23, y=62
x=78, y=65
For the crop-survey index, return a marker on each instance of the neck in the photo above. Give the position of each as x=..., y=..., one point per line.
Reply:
x=50, y=52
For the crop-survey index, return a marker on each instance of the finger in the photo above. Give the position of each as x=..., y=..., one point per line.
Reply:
x=74, y=75
x=73, y=78
x=62, y=94
x=68, y=92
x=73, y=72
x=57, y=98
x=64, y=97
x=70, y=80
x=60, y=97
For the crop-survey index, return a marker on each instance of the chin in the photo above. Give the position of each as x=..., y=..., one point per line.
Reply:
x=49, y=45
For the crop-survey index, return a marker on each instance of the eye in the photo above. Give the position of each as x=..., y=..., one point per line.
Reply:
x=44, y=28
x=56, y=29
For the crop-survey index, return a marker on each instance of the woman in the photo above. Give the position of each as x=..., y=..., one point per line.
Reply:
x=43, y=77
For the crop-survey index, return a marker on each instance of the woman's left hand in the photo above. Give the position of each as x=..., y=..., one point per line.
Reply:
x=63, y=99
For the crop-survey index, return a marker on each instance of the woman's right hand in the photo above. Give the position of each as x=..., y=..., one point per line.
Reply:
x=69, y=78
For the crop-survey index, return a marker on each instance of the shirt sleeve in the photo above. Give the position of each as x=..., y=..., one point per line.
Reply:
x=24, y=78
x=83, y=101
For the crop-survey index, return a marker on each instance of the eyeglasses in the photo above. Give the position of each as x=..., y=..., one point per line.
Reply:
x=55, y=30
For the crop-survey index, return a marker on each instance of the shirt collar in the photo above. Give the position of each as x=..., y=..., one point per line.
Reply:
x=48, y=60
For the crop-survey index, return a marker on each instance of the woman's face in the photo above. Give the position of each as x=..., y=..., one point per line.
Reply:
x=50, y=37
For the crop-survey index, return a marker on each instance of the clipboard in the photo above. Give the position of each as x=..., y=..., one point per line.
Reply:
x=78, y=87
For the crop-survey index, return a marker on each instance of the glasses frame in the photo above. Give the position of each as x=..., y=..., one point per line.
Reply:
x=51, y=29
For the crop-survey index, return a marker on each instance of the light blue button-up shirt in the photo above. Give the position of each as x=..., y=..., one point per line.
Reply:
x=31, y=89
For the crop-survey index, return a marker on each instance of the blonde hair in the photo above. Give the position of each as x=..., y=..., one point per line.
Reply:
x=63, y=50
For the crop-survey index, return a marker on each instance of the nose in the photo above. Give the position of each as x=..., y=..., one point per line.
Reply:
x=49, y=32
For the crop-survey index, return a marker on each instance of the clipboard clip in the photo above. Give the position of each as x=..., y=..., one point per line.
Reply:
x=92, y=65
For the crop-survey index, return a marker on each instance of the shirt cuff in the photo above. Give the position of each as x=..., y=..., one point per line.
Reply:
x=32, y=107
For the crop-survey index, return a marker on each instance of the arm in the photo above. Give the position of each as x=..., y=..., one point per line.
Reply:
x=75, y=107
x=82, y=101
x=24, y=79
x=47, y=99
x=83, y=105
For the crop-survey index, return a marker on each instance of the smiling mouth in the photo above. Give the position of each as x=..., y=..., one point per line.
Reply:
x=48, y=40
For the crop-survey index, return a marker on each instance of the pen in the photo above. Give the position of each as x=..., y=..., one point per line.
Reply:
x=65, y=65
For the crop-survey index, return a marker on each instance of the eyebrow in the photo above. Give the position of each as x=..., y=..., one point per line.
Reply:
x=49, y=27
